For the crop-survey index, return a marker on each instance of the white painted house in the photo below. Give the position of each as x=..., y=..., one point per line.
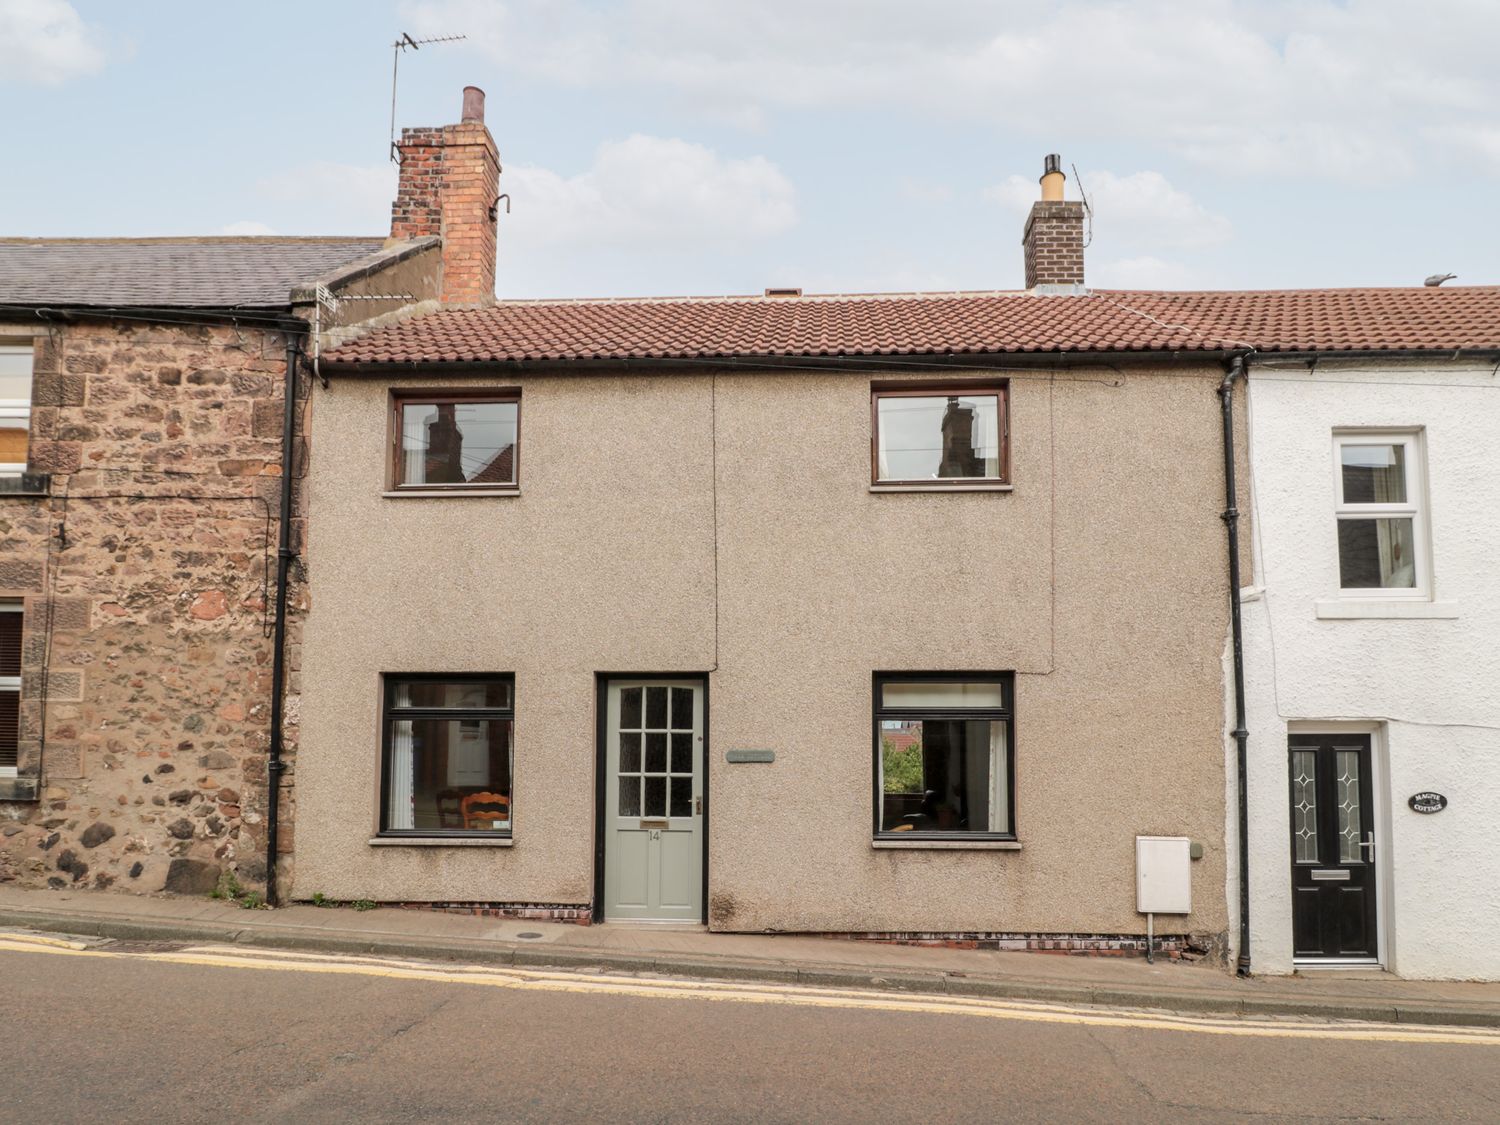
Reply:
x=1372, y=657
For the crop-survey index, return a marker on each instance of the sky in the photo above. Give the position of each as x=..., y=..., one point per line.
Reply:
x=656, y=147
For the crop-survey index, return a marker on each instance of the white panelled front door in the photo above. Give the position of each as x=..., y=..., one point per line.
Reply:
x=653, y=801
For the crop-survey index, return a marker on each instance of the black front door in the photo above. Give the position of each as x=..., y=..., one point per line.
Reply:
x=1333, y=846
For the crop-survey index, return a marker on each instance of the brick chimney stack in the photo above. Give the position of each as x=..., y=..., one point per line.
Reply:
x=450, y=180
x=1053, y=240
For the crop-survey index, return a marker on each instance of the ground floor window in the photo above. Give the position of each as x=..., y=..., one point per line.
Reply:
x=943, y=762
x=448, y=747
x=10, y=687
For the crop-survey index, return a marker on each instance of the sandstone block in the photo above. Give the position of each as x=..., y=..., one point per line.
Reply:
x=191, y=877
x=210, y=605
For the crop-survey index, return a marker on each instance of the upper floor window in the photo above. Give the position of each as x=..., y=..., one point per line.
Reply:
x=15, y=406
x=456, y=440
x=1382, y=524
x=937, y=436
x=10, y=686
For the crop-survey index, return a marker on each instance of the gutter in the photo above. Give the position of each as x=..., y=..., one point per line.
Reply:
x=275, y=766
x=1238, y=368
x=905, y=362
x=270, y=318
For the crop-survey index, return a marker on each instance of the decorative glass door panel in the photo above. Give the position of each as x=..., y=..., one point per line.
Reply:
x=653, y=808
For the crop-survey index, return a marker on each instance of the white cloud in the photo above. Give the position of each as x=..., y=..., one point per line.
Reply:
x=922, y=190
x=1324, y=88
x=653, y=193
x=46, y=41
x=361, y=188
x=246, y=227
x=1144, y=272
x=1476, y=144
x=1138, y=210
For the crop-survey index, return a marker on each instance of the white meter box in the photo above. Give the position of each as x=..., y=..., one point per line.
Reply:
x=1163, y=875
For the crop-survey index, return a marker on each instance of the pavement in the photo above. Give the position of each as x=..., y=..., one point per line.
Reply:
x=1130, y=982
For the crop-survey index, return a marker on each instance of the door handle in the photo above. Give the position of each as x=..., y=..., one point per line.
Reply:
x=1368, y=846
x=698, y=805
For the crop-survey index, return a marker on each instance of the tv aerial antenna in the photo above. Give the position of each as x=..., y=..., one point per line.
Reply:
x=398, y=48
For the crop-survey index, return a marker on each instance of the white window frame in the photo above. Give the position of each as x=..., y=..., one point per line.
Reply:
x=11, y=684
x=13, y=408
x=1414, y=508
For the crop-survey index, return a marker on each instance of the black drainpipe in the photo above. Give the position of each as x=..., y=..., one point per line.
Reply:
x=1238, y=365
x=274, y=765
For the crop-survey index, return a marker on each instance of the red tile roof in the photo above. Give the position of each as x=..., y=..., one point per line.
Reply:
x=1301, y=320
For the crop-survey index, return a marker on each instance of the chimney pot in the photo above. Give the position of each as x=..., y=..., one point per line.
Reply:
x=1052, y=178
x=473, y=104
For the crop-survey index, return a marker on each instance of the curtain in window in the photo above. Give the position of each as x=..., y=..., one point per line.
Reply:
x=1000, y=771
x=414, y=444
x=1392, y=540
x=403, y=766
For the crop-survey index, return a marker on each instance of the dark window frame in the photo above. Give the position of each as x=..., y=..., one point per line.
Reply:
x=389, y=712
x=1005, y=713
x=401, y=397
x=10, y=684
x=947, y=389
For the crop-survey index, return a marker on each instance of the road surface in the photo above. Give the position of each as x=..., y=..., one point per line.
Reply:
x=103, y=1031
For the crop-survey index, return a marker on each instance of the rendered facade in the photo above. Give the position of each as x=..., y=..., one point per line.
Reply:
x=906, y=616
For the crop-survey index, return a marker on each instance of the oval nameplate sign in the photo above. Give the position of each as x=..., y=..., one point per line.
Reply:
x=1427, y=802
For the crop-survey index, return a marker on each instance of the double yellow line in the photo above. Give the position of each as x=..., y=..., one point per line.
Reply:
x=229, y=957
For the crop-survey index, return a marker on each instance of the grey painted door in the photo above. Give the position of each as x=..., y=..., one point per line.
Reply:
x=653, y=801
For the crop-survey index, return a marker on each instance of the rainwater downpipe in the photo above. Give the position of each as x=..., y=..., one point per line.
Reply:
x=1238, y=365
x=274, y=763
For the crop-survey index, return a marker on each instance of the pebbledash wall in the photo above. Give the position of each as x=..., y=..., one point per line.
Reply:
x=144, y=572
x=1425, y=686
x=723, y=523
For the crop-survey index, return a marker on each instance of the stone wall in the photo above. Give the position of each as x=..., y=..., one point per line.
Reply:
x=146, y=574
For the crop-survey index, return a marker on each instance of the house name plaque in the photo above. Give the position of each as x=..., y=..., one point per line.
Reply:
x=1427, y=802
x=738, y=756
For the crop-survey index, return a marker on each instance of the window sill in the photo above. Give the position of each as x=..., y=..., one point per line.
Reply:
x=440, y=842
x=996, y=487
x=1349, y=609
x=884, y=842
x=20, y=789
x=446, y=493
x=25, y=484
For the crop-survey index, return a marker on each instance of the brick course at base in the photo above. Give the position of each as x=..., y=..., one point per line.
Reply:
x=534, y=911
x=1171, y=946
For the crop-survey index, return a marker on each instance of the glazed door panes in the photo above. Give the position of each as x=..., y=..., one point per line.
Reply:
x=653, y=816
x=1333, y=853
